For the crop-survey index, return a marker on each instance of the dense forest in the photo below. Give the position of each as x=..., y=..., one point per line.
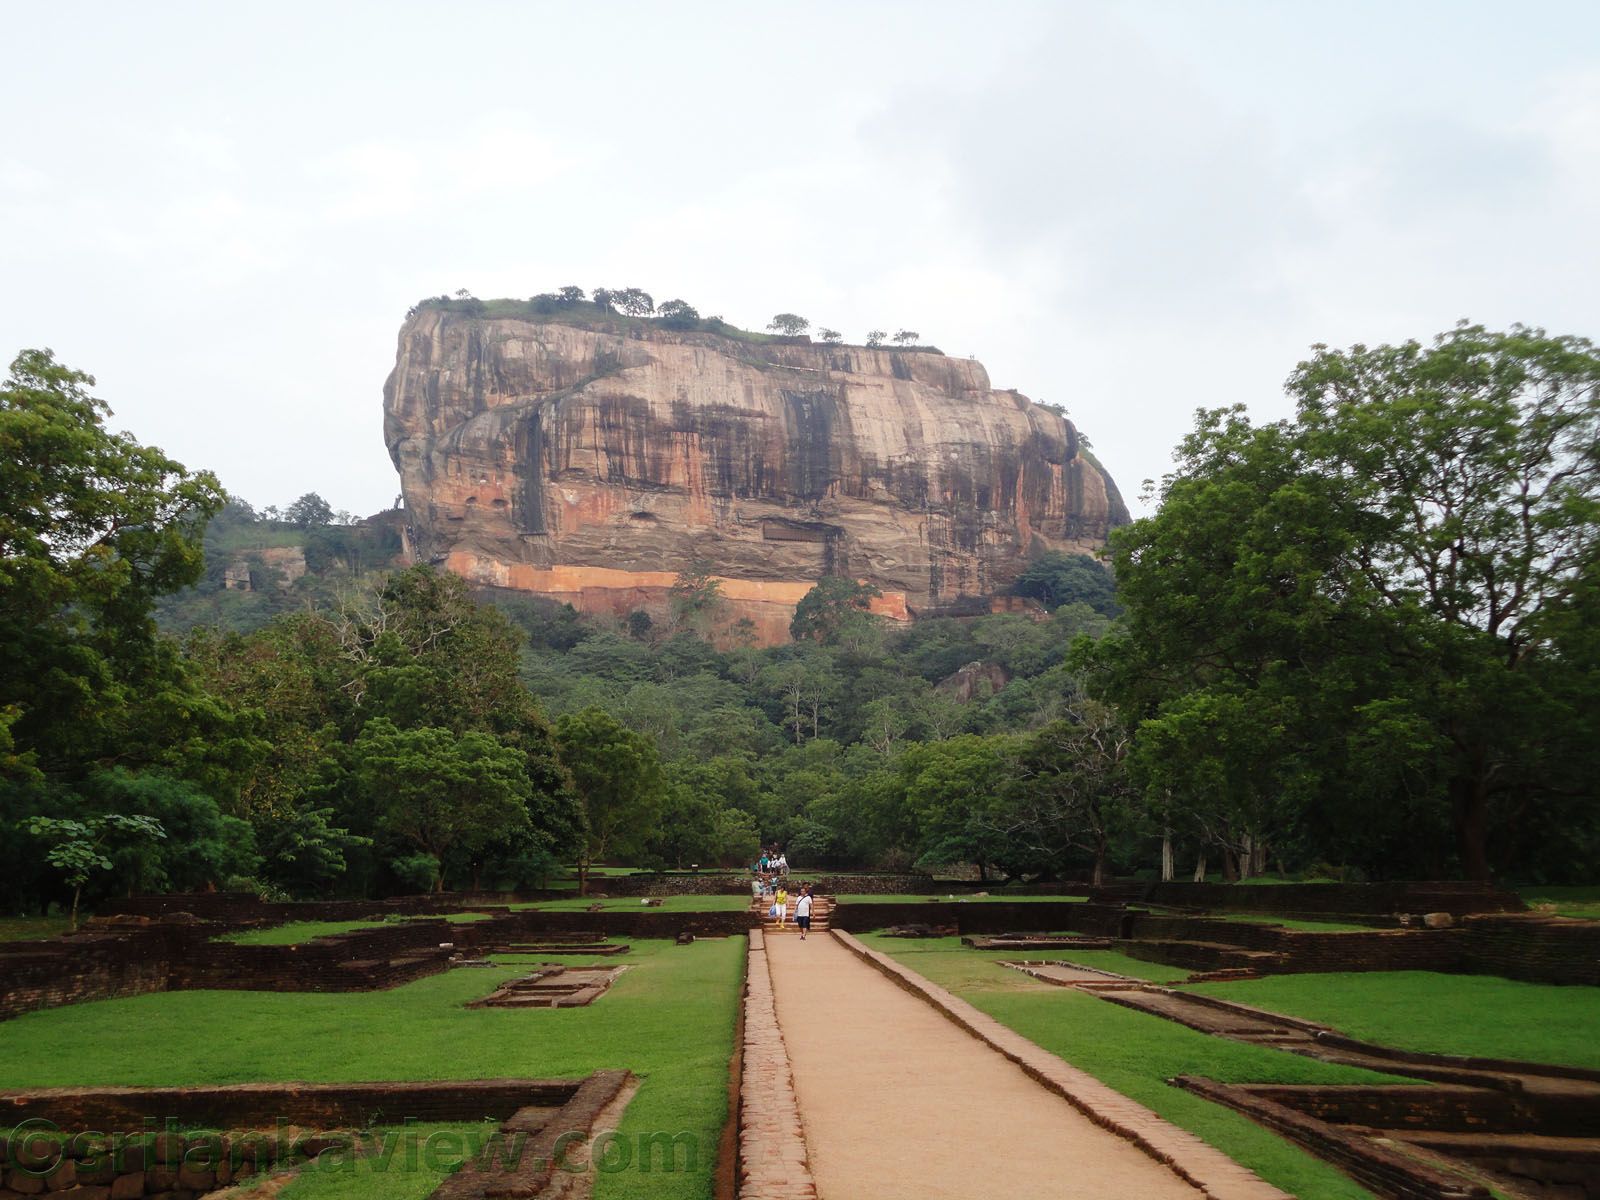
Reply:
x=1360, y=642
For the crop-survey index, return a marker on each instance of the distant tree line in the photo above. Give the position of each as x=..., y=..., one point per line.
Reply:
x=1359, y=642
x=636, y=302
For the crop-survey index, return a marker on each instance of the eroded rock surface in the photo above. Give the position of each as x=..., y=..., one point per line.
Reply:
x=594, y=465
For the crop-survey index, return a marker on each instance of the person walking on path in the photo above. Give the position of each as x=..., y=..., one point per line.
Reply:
x=782, y=899
x=802, y=912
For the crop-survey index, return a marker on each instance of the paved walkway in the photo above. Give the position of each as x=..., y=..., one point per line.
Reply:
x=897, y=1102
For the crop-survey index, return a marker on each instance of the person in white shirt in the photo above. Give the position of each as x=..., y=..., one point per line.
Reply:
x=802, y=912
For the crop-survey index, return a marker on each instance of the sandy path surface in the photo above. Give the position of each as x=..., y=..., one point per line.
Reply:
x=898, y=1103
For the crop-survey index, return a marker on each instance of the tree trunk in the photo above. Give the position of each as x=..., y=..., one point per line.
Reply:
x=1099, y=877
x=1230, y=865
x=1470, y=800
x=1166, y=856
x=1200, y=868
x=583, y=874
x=76, y=892
x=1258, y=857
x=1247, y=856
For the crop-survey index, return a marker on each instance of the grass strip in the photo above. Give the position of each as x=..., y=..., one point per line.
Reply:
x=1137, y=1053
x=669, y=1019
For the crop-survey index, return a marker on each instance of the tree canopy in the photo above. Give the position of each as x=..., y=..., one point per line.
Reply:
x=828, y=609
x=789, y=324
x=1055, y=579
x=1345, y=625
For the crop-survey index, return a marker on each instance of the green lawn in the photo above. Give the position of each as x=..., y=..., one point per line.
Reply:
x=1137, y=1053
x=27, y=929
x=295, y=932
x=632, y=904
x=977, y=967
x=400, y=1163
x=455, y=918
x=1443, y=1014
x=933, y=897
x=1292, y=923
x=1564, y=901
x=669, y=1019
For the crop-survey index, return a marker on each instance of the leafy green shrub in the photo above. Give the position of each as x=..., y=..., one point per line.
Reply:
x=416, y=871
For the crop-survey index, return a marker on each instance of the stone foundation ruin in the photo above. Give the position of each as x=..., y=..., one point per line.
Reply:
x=126, y=1143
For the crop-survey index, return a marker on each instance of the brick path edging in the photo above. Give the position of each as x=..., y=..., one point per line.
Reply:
x=1206, y=1167
x=772, y=1148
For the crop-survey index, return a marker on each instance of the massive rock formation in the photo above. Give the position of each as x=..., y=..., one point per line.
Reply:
x=593, y=464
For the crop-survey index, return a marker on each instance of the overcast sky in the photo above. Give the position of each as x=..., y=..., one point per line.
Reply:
x=223, y=210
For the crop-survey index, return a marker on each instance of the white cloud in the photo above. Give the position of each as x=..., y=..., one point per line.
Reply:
x=1130, y=210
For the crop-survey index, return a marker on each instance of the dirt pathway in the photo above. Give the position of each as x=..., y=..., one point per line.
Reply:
x=897, y=1102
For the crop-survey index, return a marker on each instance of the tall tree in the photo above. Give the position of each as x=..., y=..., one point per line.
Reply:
x=678, y=314
x=77, y=849
x=696, y=597
x=1068, y=789
x=1387, y=586
x=828, y=607
x=634, y=301
x=439, y=790
x=1055, y=579
x=1472, y=469
x=617, y=776
x=94, y=527
x=310, y=511
x=788, y=324
x=951, y=792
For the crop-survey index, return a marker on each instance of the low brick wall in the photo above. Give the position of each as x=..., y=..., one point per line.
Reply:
x=1441, y=1107
x=361, y=960
x=185, y=955
x=1539, y=949
x=272, y=1122
x=1202, y=943
x=988, y=916
x=772, y=1148
x=646, y=923
x=736, y=883
x=534, y=1176
x=1387, y=1172
x=710, y=883
x=245, y=908
x=1332, y=899
x=1203, y=956
x=59, y=972
x=261, y=1105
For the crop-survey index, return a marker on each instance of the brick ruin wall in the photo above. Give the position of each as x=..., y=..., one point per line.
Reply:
x=266, y=1123
x=1333, y=899
x=1534, y=949
x=172, y=956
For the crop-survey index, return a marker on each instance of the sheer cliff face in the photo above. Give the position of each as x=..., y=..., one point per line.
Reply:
x=594, y=466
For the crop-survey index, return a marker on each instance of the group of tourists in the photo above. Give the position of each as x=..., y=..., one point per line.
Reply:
x=771, y=883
